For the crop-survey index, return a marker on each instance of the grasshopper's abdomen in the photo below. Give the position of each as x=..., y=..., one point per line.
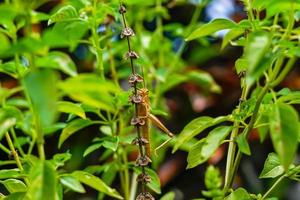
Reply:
x=143, y=113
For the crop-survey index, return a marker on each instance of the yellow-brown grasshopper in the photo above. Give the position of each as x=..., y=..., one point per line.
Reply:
x=144, y=117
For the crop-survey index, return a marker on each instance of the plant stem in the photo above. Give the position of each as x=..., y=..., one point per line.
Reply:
x=284, y=72
x=133, y=187
x=40, y=139
x=159, y=29
x=250, y=13
x=13, y=151
x=273, y=187
x=3, y=148
x=96, y=44
x=112, y=65
x=13, y=133
x=246, y=133
x=15, y=154
x=126, y=174
x=232, y=145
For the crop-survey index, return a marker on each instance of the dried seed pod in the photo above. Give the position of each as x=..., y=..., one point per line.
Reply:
x=135, y=99
x=135, y=78
x=140, y=141
x=131, y=54
x=145, y=196
x=143, y=178
x=143, y=161
x=127, y=32
x=122, y=9
x=136, y=121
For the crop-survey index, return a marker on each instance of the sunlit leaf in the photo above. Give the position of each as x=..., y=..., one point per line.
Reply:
x=72, y=128
x=285, y=131
x=258, y=45
x=14, y=185
x=10, y=173
x=91, y=90
x=212, y=27
x=239, y=194
x=243, y=144
x=66, y=13
x=72, y=183
x=57, y=60
x=43, y=95
x=168, y=196
x=204, y=149
x=272, y=167
x=195, y=127
x=95, y=183
x=42, y=179
x=231, y=35
x=72, y=108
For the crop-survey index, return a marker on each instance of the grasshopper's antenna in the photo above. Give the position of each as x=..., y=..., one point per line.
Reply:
x=160, y=146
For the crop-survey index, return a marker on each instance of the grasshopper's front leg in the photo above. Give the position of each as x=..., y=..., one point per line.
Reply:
x=160, y=125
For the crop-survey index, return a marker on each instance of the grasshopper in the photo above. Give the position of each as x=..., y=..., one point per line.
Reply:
x=144, y=117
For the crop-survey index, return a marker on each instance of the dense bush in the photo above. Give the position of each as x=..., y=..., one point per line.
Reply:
x=83, y=80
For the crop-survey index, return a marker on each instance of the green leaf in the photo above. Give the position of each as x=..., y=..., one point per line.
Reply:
x=168, y=196
x=258, y=45
x=284, y=130
x=204, y=80
x=92, y=148
x=272, y=167
x=5, y=125
x=10, y=68
x=205, y=148
x=10, y=173
x=195, y=127
x=66, y=13
x=72, y=108
x=275, y=7
x=108, y=142
x=243, y=144
x=211, y=27
x=25, y=45
x=232, y=34
x=14, y=185
x=16, y=196
x=9, y=116
x=239, y=194
x=42, y=179
x=40, y=89
x=57, y=60
x=213, y=182
x=155, y=182
x=72, y=128
x=241, y=65
x=72, y=183
x=60, y=159
x=72, y=33
x=91, y=90
x=4, y=41
x=53, y=128
x=213, y=179
x=263, y=123
x=95, y=183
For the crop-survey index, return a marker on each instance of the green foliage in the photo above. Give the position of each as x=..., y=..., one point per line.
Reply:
x=59, y=94
x=213, y=183
x=205, y=148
